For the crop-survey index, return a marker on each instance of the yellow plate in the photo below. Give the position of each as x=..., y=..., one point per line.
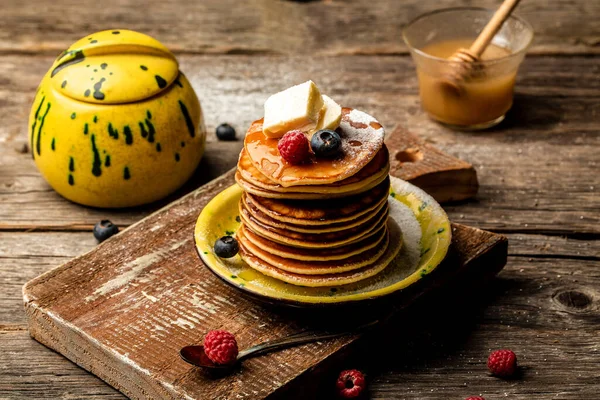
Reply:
x=426, y=235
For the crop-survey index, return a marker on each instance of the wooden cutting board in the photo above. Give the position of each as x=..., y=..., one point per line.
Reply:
x=123, y=310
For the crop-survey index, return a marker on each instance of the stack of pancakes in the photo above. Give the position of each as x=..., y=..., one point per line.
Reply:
x=324, y=222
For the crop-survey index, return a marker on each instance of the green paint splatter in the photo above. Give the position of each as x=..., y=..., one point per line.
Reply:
x=126, y=174
x=128, y=135
x=234, y=276
x=35, y=120
x=86, y=128
x=423, y=206
x=52, y=145
x=148, y=114
x=188, y=119
x=229, y=233
x=39, y=135
x=158, y=147
x=95, y=118
x=160, y=81
x=151, y=131
x=143, y=130
x=177, y=158
x=96, y=164
x=107, y=161
x=71, y=180
x=206, y=252
x=71, y=164
x=423, y=252
x=393, y=194
x=113, y=132
x=73, y=116
x=238, y=219
x=441, y=230
x=144, y=68
x=182, y=144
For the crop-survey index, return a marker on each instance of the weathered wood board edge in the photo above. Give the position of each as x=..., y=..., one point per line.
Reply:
x=445, y=177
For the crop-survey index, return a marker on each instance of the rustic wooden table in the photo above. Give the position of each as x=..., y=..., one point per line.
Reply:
x=538, y=175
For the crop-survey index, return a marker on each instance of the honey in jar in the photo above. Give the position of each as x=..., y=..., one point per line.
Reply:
x=466, y=96
x=485, y=94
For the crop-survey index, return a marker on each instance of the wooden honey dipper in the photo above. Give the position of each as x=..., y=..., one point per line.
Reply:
x=466, y=57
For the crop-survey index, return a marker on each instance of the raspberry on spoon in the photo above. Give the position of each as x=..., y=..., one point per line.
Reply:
x=221, y=347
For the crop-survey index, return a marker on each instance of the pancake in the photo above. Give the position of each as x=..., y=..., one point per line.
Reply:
x=317, y=267
x=372, y=174
x=325, y=280
x=335, y=227
x=362, y=137
x=295, y=253
x=257, y=191
x=319, y=212
x=324, y=240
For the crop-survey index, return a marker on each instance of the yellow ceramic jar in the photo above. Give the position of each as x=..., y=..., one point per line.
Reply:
x=115, y=123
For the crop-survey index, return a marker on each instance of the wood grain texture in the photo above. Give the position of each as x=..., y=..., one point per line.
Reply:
x=258, y=27
x=551, y=129
x=444, y=177
x=537, y=174
x=525, y=310
x=123, y=315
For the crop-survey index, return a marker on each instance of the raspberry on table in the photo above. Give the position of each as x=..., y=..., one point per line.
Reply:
x=221, y=347
x=502, y=363
x=351, y=384
x=293, y=147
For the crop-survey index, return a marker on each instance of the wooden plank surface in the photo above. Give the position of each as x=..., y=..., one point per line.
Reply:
x=324, y=27
x=552, y=129
x=537, y=175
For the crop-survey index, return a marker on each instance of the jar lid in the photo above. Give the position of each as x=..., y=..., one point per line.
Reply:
x=114, y=66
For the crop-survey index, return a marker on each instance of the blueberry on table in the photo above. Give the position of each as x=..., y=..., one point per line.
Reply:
x=105, y=229
x=326, y=143
x=226, y=247
x=225, y=132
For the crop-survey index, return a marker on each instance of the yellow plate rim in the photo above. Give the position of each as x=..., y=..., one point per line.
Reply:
x=401, y=191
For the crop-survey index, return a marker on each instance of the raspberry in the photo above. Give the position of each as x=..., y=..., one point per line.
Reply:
x=221, y=347
x=293, y=147
x=475, y=398
x=351, y=384
x=502, y=363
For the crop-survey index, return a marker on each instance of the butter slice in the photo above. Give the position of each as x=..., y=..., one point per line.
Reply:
x=295, y=108
x=332, y=116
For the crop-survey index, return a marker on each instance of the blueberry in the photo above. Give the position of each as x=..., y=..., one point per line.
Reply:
x=226, y=247
x=225, y=132
x=105, y=229
x=326, y=143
